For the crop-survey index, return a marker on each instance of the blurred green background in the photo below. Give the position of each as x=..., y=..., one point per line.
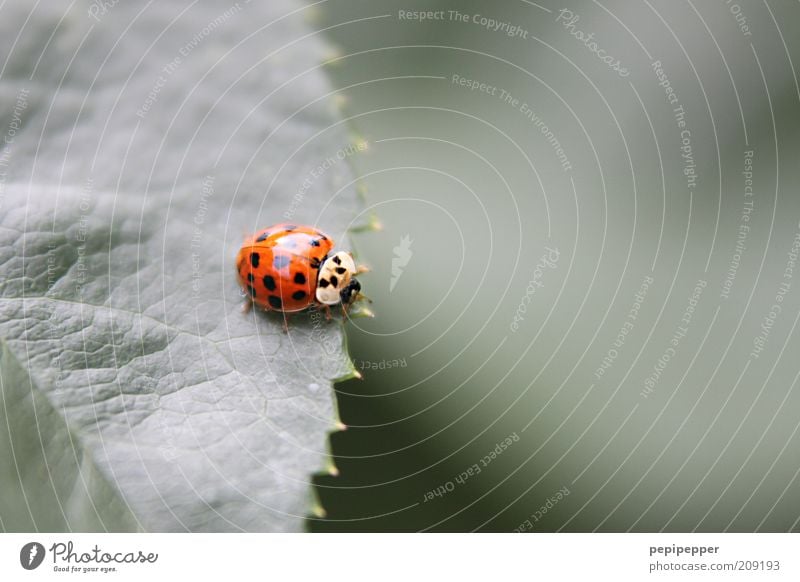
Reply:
x=576, y=278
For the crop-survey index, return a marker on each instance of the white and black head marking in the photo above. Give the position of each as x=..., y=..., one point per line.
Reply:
x=336, y=283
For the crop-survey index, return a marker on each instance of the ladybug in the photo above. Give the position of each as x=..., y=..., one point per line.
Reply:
x=288, y=268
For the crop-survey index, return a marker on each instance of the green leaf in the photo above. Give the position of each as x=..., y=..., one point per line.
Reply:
x=146, y=142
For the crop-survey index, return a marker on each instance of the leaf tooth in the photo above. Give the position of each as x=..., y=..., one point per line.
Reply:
x=319, y=511
x=361, y=312
x=360, y=143
x=341, y=101
x=333, y=56
x=373, y=225
x=312, y=15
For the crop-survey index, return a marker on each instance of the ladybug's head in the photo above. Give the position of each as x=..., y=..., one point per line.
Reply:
x=350, y=293
x=335, y=282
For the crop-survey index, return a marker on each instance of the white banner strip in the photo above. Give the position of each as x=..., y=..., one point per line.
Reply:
x=389, y=557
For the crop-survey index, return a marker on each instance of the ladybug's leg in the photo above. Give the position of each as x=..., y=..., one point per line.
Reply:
x=362, y=269
x=344, y=310
x=247, y=305
x=319, y=306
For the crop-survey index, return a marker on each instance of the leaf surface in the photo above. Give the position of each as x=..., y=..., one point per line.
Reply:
x=147, y=141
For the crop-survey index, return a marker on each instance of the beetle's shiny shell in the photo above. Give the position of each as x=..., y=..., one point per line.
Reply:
x=278, y=266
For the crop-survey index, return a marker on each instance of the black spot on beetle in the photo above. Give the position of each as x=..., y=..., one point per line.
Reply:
x=337, y=260
x=299, y=278
x=315, y=243
x=252, y=291
x=316, y=263
x=298, y=295
x=264, y=236
x=334, y=280
x=275, y=302
x=340, y=270
x=269, y=282
x=324, y=283
x=250, y=277
x=280, y=261
x=254, y=260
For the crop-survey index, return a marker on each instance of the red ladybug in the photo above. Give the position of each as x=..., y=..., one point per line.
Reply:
x=288, y=267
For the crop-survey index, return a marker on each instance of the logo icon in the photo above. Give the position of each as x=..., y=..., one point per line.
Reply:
x=402, y=254
x=31, y=555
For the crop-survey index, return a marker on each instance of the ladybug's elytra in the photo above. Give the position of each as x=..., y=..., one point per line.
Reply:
x=288, y=268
